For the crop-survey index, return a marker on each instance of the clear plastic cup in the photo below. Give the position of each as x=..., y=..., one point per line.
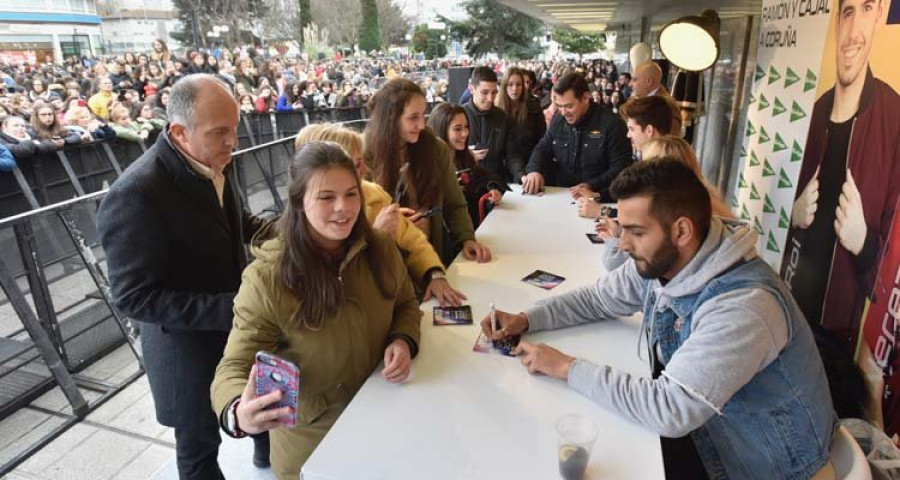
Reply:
x=575, y=436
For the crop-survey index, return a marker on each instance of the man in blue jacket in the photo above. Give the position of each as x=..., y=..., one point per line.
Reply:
x=735, y=364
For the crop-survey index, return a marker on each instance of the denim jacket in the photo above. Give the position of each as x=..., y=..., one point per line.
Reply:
x=782, y=421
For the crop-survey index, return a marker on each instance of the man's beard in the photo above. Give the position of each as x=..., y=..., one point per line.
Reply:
x=660, y=263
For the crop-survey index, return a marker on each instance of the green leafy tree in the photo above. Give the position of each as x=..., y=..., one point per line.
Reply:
x=578, y=42
x=369, y=33
x=495, y=28
x=429, y=42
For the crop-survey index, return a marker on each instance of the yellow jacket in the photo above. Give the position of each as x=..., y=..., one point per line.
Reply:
x=421, y=255
x=335, y=360
x=99, y=104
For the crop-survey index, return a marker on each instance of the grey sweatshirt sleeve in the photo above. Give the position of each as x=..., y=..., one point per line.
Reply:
x=734, y=336
x=616, y=295
x=613, y=258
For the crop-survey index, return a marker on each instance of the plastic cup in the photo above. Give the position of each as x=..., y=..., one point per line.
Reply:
x=575, y=436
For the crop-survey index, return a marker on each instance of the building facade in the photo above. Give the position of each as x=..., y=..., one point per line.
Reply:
x=35, y=30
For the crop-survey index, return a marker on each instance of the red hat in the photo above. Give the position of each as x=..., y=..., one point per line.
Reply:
x=149, y=89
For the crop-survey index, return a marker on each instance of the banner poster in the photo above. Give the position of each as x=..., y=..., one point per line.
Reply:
x=822, y=175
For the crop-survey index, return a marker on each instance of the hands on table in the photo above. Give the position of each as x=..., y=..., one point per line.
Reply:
x=540, y=358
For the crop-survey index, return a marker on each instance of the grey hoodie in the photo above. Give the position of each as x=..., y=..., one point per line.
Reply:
x=734, y=336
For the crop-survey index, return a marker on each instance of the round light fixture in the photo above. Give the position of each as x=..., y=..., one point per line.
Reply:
x=691, y=43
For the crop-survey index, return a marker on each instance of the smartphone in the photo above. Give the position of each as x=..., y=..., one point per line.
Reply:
x=430, y=212
x=276, y=373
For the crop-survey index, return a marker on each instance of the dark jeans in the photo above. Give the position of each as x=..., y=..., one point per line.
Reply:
x=197, y=451
x=680, y=458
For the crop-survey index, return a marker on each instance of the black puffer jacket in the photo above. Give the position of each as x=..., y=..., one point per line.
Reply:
x=593, y=151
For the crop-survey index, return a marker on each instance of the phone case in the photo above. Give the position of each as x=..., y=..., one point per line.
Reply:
x=275, y=373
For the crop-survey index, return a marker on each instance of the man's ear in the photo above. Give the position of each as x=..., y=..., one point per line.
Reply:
x=177, y=132
x=683, y=232
x=471, y=89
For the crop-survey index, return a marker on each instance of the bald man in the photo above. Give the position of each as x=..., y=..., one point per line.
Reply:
x=646, y=80
x=174, y=228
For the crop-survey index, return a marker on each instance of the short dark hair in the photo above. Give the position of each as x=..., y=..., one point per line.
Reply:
x=483, y=74
x=571, y=81
x=673, y=188
x=657, y=110
x=626, y=75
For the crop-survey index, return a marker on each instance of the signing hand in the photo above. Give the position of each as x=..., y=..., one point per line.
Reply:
x=581, y=190
x=806, y=204
x=251, y=413
x=607, y=228
x=544, y=359
x=588, y=208
x=387, y=219
x=440, y=289
x=850, y=222
x=507, y=324
x=473, y=250
x=396, y=362
x=532, y=183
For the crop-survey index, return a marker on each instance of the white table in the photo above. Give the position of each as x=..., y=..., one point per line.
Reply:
x=467, y=415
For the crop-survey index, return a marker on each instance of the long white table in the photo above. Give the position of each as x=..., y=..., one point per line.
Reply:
x=468, y=415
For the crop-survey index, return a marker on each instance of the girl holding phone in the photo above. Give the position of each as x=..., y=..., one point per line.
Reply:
x=328, y=294
x=417, y=168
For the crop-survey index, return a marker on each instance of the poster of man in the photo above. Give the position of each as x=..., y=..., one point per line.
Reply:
x=843, y=214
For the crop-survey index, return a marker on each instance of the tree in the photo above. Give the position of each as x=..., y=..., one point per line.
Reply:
x=306, y=17
x=392, y=22
x=429, y=41
x=578, y=42
x=201, y=15
x=369, y=33
x=495, y=28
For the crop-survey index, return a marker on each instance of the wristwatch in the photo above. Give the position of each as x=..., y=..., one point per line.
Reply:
x=438, y=274
x=230, y=422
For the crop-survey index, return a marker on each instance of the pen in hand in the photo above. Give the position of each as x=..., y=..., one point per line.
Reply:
x=493, y=320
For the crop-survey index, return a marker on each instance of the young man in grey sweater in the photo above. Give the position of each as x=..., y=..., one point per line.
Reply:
x=735, y=364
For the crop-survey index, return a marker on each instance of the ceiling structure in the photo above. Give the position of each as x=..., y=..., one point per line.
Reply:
x=602, y=15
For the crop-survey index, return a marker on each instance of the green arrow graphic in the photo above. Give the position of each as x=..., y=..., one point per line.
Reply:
x=741, y=182
x=783, y=180
x=752, y=98
x=810, y=82
x=779, y=108
x=743, y=152
x=751, y=131
x=796, y=152
x=760, y=73
x=767, y=169
x=745, y=215
x=754, y=195
x=783, y=220
x=763, y=136
x=767, y=205
x=779, y=143
x=796, y=112
x=757, y=226
x=734, y=201
x=773, y=75
x=754, y=160
x=763, y=102
x=790, y=78
x=772, y=245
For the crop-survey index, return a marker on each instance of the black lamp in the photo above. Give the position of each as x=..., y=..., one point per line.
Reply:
x=692, y=43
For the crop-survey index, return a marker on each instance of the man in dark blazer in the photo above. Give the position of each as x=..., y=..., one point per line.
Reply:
x=174, y=228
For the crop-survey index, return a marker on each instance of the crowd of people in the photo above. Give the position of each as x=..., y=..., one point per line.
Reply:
x=125, y=96
x=373, y=218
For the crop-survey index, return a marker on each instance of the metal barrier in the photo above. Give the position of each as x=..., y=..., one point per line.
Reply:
x=64, y=333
